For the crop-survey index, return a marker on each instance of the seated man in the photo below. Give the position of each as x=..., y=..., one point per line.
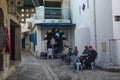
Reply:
x=50, y=53
x=84, y=54
x=90, y=58
x=64, y=53
x=70, y=54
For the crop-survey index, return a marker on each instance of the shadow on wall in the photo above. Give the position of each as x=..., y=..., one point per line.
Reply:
x=82, y=38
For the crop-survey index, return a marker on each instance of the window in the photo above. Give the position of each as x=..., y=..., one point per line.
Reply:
x=117, y=18
x=83, y=7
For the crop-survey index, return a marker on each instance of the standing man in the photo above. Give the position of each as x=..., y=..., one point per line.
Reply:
x=52, y=42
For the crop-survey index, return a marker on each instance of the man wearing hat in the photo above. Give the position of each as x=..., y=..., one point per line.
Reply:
x=91, y=57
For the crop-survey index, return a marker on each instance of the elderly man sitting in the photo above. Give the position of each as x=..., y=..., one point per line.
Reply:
x=90, y=58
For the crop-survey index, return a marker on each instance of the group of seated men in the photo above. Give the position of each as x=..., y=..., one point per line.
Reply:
x=88, y=56
x=71, y=55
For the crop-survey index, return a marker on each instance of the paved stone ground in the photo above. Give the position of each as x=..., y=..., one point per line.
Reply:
x=42, y=69
x=65, y=72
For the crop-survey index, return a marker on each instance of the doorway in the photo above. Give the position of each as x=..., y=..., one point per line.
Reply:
x=59, y=36
x=12, y=38
x=15, y=37
x=2, y=36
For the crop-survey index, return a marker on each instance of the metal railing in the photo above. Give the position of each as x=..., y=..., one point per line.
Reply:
x=56, y=13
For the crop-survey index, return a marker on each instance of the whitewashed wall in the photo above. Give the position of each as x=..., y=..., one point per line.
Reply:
x=65, y=4
x=98, y=17
x=104, y=29
x=84, y=20
x=38, y=46
x=115, y=43
x=116, y=24
x=82, y=39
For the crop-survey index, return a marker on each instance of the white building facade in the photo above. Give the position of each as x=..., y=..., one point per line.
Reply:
x=53, y=20
x=98, y=24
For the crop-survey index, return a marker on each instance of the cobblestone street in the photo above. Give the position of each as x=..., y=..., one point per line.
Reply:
x=42, y=69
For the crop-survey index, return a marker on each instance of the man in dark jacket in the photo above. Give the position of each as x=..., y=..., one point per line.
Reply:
x=91, y=57
x=84, y=55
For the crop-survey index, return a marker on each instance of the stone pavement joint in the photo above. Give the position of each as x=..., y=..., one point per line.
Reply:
x=49, y=72
x=52, y=73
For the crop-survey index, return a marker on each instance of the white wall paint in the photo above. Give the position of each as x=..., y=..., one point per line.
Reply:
x=84, y=21
x=115, y=48
x=38, y=46
x=82, y=40
x=106, y=28
x=116, y=12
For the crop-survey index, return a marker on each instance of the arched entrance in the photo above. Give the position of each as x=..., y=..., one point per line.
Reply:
x=59, y=36
x=1, y=40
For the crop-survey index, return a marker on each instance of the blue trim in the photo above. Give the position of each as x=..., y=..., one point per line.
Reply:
x=33, y=39
x=56, y=24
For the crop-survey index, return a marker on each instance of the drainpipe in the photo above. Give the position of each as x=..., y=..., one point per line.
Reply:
x=95, y=30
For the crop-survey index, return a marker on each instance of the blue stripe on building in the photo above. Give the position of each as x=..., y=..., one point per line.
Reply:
x=55, y=24
x=33, y=39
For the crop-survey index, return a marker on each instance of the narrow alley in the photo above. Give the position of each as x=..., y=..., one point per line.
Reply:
x=85, y=32
x=55, y=69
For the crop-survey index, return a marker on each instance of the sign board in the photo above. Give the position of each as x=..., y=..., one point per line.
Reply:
x=2, y=38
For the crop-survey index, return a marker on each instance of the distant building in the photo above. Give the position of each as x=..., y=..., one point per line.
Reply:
x=52, y=19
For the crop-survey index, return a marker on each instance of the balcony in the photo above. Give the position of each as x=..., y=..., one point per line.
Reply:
x=52, y=13
x=56, y=13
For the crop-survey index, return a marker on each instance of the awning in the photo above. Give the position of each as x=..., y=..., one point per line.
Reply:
x=55, y=24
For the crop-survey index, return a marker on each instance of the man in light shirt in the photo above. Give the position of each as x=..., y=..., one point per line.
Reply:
x=50, y=53
x=65, y=52
x=52, y=42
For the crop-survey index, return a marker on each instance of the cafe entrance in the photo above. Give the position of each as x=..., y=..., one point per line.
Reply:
x=59, y=37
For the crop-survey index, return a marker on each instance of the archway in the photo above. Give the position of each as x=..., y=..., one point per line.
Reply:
x=59, y=36
x=1, y=40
